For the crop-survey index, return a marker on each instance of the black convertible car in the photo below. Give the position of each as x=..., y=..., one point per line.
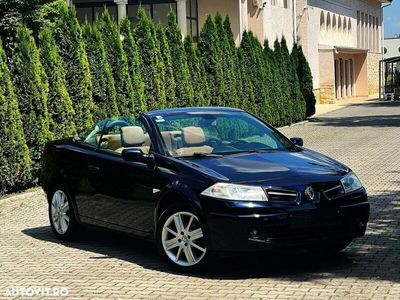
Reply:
x=199, y=181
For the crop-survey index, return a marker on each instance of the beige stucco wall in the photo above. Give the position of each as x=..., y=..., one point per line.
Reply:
x=254, y=20
x=278, y=23
x=225, y=7
x=361, y=74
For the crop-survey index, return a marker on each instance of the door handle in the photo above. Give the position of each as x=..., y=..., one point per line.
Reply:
x=93, y=168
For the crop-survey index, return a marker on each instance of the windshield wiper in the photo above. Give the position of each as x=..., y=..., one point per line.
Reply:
x=201, y=155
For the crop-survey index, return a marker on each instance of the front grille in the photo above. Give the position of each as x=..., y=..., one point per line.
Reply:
x=334, y=192
x=282, y=196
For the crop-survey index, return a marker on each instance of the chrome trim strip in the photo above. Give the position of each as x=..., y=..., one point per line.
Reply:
x=282, y=194
x=332, y=189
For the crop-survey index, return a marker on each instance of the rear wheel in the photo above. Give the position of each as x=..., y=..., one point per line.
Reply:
x=180, y=238
x=61, y=215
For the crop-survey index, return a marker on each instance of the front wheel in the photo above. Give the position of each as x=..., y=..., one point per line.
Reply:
x=181, y=240
x=62, y=216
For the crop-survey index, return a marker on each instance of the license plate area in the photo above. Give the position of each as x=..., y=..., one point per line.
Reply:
x=319, y=218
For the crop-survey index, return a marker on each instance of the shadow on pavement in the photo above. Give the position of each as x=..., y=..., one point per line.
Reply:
x=375, y=256
x=383, y=120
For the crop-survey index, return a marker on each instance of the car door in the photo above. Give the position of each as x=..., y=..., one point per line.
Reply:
x=126, y=191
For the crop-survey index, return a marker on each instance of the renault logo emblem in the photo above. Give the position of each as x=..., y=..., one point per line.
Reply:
x=310, y=192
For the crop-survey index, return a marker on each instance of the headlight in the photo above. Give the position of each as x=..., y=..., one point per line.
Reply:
x=235, y=192
x=351, y=183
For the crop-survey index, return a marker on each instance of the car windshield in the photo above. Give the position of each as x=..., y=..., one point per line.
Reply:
x=217, y=133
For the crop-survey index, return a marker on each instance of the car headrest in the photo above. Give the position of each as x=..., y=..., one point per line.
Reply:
x=193, y=136
x=132, y=136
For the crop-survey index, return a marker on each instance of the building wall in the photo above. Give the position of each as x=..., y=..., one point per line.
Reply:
x=392, y=46
x=336, y=24
x=225, y=7
x=278, y=22
x=373, y=72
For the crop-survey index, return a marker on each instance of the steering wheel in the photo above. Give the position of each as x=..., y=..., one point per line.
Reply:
x=213, y=142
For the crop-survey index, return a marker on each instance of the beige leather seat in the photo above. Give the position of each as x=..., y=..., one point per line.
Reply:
x=134, y=137
x=170, y=140
x=194, y=139
x=113, y=141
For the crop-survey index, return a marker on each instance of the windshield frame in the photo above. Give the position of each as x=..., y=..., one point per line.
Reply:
x=289, y=146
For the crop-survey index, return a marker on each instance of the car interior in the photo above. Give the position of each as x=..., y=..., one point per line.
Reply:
x=186, y=142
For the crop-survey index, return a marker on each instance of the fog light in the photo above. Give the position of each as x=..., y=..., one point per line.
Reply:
x=253, y=233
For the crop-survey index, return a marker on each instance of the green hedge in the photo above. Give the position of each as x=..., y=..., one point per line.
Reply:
x=67, y=77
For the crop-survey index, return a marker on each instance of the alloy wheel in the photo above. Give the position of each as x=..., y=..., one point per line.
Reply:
x=183, y=240
x=60, y=212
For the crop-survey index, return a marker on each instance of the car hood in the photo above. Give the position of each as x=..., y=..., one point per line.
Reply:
x=271, y=166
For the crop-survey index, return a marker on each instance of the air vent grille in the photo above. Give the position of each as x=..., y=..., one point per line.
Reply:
x=334, y=192
x=282, y=196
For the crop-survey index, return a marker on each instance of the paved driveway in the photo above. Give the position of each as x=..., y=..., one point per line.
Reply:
x=366, y=137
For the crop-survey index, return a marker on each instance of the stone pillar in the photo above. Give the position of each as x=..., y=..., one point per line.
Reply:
x=121, y=5
x=181, y=8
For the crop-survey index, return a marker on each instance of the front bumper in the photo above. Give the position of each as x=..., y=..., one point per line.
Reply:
x=243, y=226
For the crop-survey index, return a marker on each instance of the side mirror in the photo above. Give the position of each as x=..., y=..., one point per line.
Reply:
x=298, y=141
x=136, y=155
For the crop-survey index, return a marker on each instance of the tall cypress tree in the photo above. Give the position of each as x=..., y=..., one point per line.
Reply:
x=211, y=57
x=305, y=77
x=169, y=78
x=68, y=35
x=103, y=86
x=228, y=64
x=59, y=103
x=254, y=62
x=263, y=81
x=184, y=88
x=119, y=64
x=235, y=60
x=200, y=87
x=298, y=103
x=145, y=40
x=275, y=87
x=282, y=76
x=14, y=154
x=134, y=63
x=31, y=88
x=248, y=98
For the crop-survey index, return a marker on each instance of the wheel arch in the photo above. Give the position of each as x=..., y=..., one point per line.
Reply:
x=171, y=197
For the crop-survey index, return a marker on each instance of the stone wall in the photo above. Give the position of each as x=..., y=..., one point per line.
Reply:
x=373, y=73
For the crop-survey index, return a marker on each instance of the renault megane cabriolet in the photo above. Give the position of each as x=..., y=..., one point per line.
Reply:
x=199, y=181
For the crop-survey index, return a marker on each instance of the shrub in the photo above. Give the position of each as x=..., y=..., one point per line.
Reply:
x=31, y=88
x=59, y=103
x=253, y=60
x=184, y=89
x=247, y=99
x=305, y=78
x=169, y=79
x=151, y=65
x=211, y=58
x=228, y=62
x=200, y=87
x=14, y=154
x=298, y=103
x=119, y=64
x=68, y=35
x=134, y=63
x=103, y=88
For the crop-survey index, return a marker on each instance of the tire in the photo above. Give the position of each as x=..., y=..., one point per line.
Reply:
x=62, y=215
x=184, y=249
